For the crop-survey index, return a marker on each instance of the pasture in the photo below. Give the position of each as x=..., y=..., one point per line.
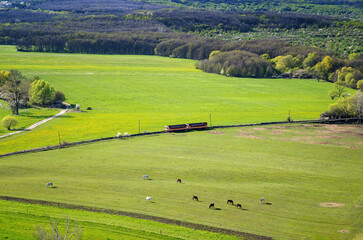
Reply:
x=20, y=221
x=157, y=91
x=311, y=177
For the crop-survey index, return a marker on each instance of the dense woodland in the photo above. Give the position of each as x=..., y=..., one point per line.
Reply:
x=251, y=44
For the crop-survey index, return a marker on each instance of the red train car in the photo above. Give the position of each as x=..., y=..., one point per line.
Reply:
x=200, y=125
x=174, y=128
x=183, y=127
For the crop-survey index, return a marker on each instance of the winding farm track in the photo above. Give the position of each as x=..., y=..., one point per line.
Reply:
x=38, y=123
x=242, y=235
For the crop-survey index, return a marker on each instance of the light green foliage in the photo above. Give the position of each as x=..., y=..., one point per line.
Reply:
x=4, y=76
x=286, y=63
x=360, y=85
x=348, y=76
x=213, y=54
x=353, y=56
x=265, y=56
x=324, y=68
x=41, y=93
x=338, y=91
x=285, y=164
x=311, y=60
x=347, y=106
x=9, y=122
x=157, y=91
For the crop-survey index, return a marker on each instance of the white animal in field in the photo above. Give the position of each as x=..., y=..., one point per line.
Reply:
x=148, y=199
x=126, y=134
x=145, y=177
x=119, y=134
x=49, y=184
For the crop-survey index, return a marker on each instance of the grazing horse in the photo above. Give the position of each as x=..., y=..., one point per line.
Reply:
x=49, y=184
x=145, y=177
x=230, y=201
x=148, y=199
x=239, y=206
x=211, y=205
x=178, y=181
x=195, y=198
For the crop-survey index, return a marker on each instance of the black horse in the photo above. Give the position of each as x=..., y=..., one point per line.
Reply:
x=211, y=205
x=178, y=181
x=195, y=198
x=230, y=201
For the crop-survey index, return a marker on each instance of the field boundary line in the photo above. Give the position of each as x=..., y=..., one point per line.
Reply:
x=243, y=235
x=47, y=148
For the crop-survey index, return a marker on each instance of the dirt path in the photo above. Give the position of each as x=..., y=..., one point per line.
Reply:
x=243, y=235
x=38, y=123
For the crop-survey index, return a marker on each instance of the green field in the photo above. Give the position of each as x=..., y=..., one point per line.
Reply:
x=157, y=91
x=298, y=169
x=20, y=221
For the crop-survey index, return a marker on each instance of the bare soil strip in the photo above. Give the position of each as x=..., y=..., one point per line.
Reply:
x=202, y=227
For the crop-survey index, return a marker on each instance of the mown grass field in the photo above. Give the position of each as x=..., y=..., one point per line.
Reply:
x=157, y=91
x=298, y=169
x=20, y=221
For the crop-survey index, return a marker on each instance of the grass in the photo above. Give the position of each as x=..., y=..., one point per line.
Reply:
x=26, y=117
x=294, y=167
x=20, y=221
x=155, y=90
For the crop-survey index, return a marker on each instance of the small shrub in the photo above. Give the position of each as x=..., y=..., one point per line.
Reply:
x=89, y=108
x=9, y=122
x=78, y=107
x=289, y=119
x=59, y=96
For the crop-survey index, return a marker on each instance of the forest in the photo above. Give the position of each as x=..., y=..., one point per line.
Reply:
x=229, y=42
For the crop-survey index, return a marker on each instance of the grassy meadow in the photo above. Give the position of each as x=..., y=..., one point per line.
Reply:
x=311, y=176
x=123, y=90
x=20, y=221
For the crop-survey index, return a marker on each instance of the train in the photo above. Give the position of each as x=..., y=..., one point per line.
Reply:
x=185, y=127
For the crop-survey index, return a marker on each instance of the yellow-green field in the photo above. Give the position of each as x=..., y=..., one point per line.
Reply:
x=157, y=91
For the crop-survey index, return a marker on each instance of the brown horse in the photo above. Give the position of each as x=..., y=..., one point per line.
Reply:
x=195, y=198
x=230, y=201
x=239, y=206
x=211, y=205
x=178, y=181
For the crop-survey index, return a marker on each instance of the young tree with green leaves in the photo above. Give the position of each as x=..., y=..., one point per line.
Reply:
x=324, y=68
x=9, y=122
x=41, y=93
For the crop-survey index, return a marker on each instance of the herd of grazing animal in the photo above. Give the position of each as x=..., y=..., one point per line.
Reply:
x=211, y=206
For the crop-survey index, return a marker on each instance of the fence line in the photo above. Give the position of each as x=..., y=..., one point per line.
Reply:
x=341, y=121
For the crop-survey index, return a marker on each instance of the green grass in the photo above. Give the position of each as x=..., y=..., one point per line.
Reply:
x=155, y=90
x=26, y=118
x=295, y=167
x=20, y=221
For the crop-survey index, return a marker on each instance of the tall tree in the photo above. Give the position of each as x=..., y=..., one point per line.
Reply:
x=15, y=90
x=41, y=93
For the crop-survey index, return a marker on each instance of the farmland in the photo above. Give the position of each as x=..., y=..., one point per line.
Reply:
x=123, y=90
x=310, y=176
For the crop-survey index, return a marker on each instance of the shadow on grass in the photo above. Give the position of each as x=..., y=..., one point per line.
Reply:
x=217, y=209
